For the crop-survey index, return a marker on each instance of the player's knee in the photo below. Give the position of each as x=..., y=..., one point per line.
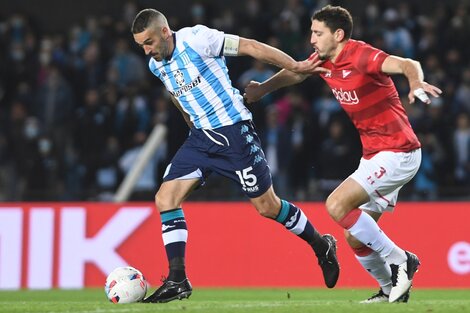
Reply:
x=267, y=205
x=164, y=202
x=335, y=208
x=267, y=209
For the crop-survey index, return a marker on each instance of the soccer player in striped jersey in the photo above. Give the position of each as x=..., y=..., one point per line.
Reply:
x=359, y=79
x=191, y=64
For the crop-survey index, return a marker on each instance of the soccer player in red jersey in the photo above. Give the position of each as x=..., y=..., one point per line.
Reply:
x=359, y=79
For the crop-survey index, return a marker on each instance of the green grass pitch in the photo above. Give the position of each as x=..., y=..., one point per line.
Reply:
x=288, y=300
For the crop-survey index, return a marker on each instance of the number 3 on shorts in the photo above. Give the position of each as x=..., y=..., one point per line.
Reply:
x=247, y=179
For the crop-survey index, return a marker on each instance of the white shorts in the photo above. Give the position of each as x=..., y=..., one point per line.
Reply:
x=383, y=175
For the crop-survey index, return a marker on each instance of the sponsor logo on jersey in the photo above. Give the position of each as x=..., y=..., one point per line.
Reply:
x=187, y=87
x=348, y=97
x=346, y=73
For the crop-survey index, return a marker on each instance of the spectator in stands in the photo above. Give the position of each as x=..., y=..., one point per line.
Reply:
x=92, y=53
x=125, y=67
x=132, y=116
x=425, y=183
x=462, y=148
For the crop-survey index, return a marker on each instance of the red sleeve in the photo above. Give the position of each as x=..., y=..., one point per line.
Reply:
x=369, y=59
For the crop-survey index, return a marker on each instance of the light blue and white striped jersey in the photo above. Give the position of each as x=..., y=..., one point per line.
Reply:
x=197, y=76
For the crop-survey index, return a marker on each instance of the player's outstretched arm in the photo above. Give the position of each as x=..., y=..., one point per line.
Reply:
x=414, y=73
x=268, y=54
x=255, y=90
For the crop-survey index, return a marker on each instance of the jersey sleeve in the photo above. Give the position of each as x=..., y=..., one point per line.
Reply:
x=370, y=59
x=207, y=41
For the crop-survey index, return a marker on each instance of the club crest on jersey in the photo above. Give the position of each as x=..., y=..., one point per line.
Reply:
x=346, y=73
x=179, y=78
x=347, y=97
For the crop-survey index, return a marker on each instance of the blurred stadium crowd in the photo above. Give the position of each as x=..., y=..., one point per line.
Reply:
x=76, y=104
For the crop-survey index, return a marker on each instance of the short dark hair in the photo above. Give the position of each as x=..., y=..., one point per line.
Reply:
x=335, y=17
x=143, y=19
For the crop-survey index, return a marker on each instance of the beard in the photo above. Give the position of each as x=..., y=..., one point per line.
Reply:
x=322, y=57
x=163, y=52
x=157, y=57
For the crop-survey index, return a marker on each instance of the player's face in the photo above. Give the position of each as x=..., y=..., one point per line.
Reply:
x=155, y=42
x=323, y=40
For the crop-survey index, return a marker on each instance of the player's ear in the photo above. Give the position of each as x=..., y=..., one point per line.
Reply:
x=165, y=32
x=339, y=35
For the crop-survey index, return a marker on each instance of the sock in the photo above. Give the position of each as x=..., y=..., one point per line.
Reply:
x=175, y=235
x=296, y=222
x=376, y=266
x=362, y=226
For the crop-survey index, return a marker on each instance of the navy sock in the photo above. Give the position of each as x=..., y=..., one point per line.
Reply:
x=175, y=235
x=296, y=222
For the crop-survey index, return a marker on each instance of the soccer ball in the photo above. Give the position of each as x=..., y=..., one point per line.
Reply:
x=125, y=285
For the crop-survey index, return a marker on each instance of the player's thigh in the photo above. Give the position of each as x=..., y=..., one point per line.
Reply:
x=242, y=159
x=173, y=192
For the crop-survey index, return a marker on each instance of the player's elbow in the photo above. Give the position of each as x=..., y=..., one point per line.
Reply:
x=408, y=64
x=249, y=47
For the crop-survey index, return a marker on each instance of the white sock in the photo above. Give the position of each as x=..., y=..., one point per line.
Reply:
x=378, y=269
x=397, y=256
x=368, y=232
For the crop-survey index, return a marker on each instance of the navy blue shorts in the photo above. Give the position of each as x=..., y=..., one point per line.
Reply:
x=232, y=151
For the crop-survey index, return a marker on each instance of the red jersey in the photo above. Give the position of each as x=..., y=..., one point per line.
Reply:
x=370, y=99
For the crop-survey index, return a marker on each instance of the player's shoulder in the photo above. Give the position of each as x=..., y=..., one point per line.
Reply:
x=358, y=44
x=202, y=39
x=195, y=32
x=357, y=49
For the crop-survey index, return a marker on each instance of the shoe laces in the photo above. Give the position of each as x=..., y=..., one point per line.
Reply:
x=378, y=295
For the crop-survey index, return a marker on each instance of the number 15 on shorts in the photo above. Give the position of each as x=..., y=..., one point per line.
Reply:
x=247, y=179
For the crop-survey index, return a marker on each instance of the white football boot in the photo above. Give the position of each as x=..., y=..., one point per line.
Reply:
x=402, y=277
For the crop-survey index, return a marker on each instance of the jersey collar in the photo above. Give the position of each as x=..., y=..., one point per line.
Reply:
x=168, y=59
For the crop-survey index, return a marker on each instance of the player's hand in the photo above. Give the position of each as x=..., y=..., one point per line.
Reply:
x=253, y=92
x=310, y=66
x=421, y=90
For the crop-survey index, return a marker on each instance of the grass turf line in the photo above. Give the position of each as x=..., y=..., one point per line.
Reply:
x=225, y=300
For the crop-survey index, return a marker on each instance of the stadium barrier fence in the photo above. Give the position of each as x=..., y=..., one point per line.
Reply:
x=75, y=245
